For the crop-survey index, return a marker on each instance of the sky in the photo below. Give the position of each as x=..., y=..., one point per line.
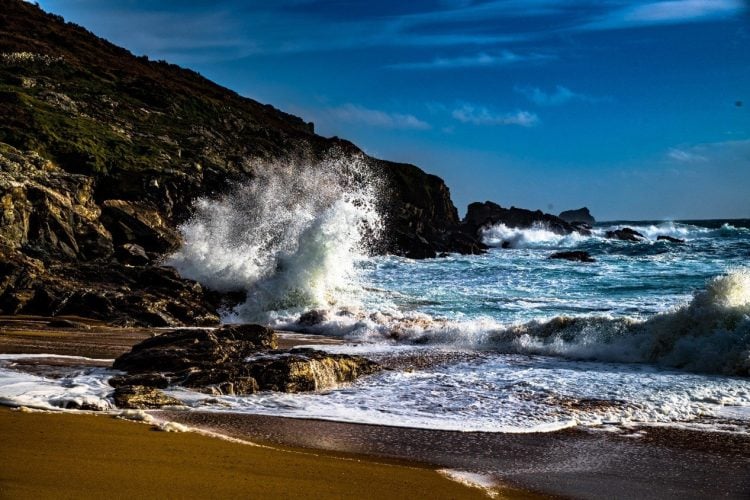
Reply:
x=637, y=109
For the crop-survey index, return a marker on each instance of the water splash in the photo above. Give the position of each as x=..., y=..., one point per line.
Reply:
x=290, y=237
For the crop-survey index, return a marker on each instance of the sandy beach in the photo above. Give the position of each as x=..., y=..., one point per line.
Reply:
x=56, y=455
x=75, y=455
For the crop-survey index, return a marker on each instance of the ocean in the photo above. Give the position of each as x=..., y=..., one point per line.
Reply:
x=651, y=333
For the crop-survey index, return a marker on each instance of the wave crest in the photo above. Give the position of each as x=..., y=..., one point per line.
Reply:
x=711, y=334
x=289, y=237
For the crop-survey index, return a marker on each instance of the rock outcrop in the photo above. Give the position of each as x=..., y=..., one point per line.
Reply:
x=581, y=216
x=138, y=397
x=625, y=234
x=482, y=215
x=234, y=359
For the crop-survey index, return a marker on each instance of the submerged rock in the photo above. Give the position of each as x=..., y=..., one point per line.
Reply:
x=670, y=239
x=576, y=255
x=234, y=359
x=625, y=234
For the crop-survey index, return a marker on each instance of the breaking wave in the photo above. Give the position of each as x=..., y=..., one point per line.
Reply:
x=540, y=236
x=289, y=238
x=710, y=334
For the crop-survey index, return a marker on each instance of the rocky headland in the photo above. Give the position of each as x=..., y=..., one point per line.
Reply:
x=103, y=153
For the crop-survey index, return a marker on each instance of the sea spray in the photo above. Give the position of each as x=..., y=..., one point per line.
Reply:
x=290, y=237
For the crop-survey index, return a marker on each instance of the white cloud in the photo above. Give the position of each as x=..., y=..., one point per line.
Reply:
x=734, y=152
x=668, y=12
x=683, y=156
x=560, y=95
x=480, y=115
x=482, y=59
x=354, y=113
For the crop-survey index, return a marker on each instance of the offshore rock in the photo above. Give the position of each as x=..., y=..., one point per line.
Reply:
x=581, y=215
x=575, y=255
x=483, y=215
x=625, y=234
x=237, y=359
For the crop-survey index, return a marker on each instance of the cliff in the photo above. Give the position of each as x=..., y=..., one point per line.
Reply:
x=102, y=154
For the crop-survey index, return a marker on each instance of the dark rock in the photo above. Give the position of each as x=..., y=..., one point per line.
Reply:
x=670, y=239
x=415, y=246
x=138, y=223
x=625, y=234
x=312, y=318
x=156, y=380
x=237, y=359
x=142, y=398
x=576, y=255
x=482, y=215
x=132, y=254
x=581, y=215
x=184, y=349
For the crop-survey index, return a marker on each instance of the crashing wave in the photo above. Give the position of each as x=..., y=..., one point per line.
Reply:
x=289, y=238
x=537, y=236
x=711, y=334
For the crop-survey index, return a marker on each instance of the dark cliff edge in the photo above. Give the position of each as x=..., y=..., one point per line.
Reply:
x=102, y=154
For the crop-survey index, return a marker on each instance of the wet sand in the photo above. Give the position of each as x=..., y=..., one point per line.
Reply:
x=56, y=455
x=656, y=462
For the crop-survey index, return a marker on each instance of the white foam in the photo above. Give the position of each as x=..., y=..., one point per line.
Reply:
x=484, y=482
x=537, y=236
x=290, y=237
x=82, y=388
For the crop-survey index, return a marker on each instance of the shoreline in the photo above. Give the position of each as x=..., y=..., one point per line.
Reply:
x=649, y=462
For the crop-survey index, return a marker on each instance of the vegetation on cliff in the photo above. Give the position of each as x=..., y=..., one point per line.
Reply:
x=102, y=154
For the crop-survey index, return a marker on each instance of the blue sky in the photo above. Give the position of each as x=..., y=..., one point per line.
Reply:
x=637, y=109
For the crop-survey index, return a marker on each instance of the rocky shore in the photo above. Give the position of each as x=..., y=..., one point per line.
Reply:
x=103, y=153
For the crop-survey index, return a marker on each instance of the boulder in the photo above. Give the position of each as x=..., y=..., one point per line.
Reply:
x=185, y=349
x=576, y=255
x=581, y=215
x=236, y=359
x=138, y=397
x=625, y=234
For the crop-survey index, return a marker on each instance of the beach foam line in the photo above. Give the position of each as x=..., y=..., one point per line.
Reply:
x=484, y=482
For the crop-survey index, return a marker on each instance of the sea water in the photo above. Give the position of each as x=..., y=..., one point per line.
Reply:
x=651, y=333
